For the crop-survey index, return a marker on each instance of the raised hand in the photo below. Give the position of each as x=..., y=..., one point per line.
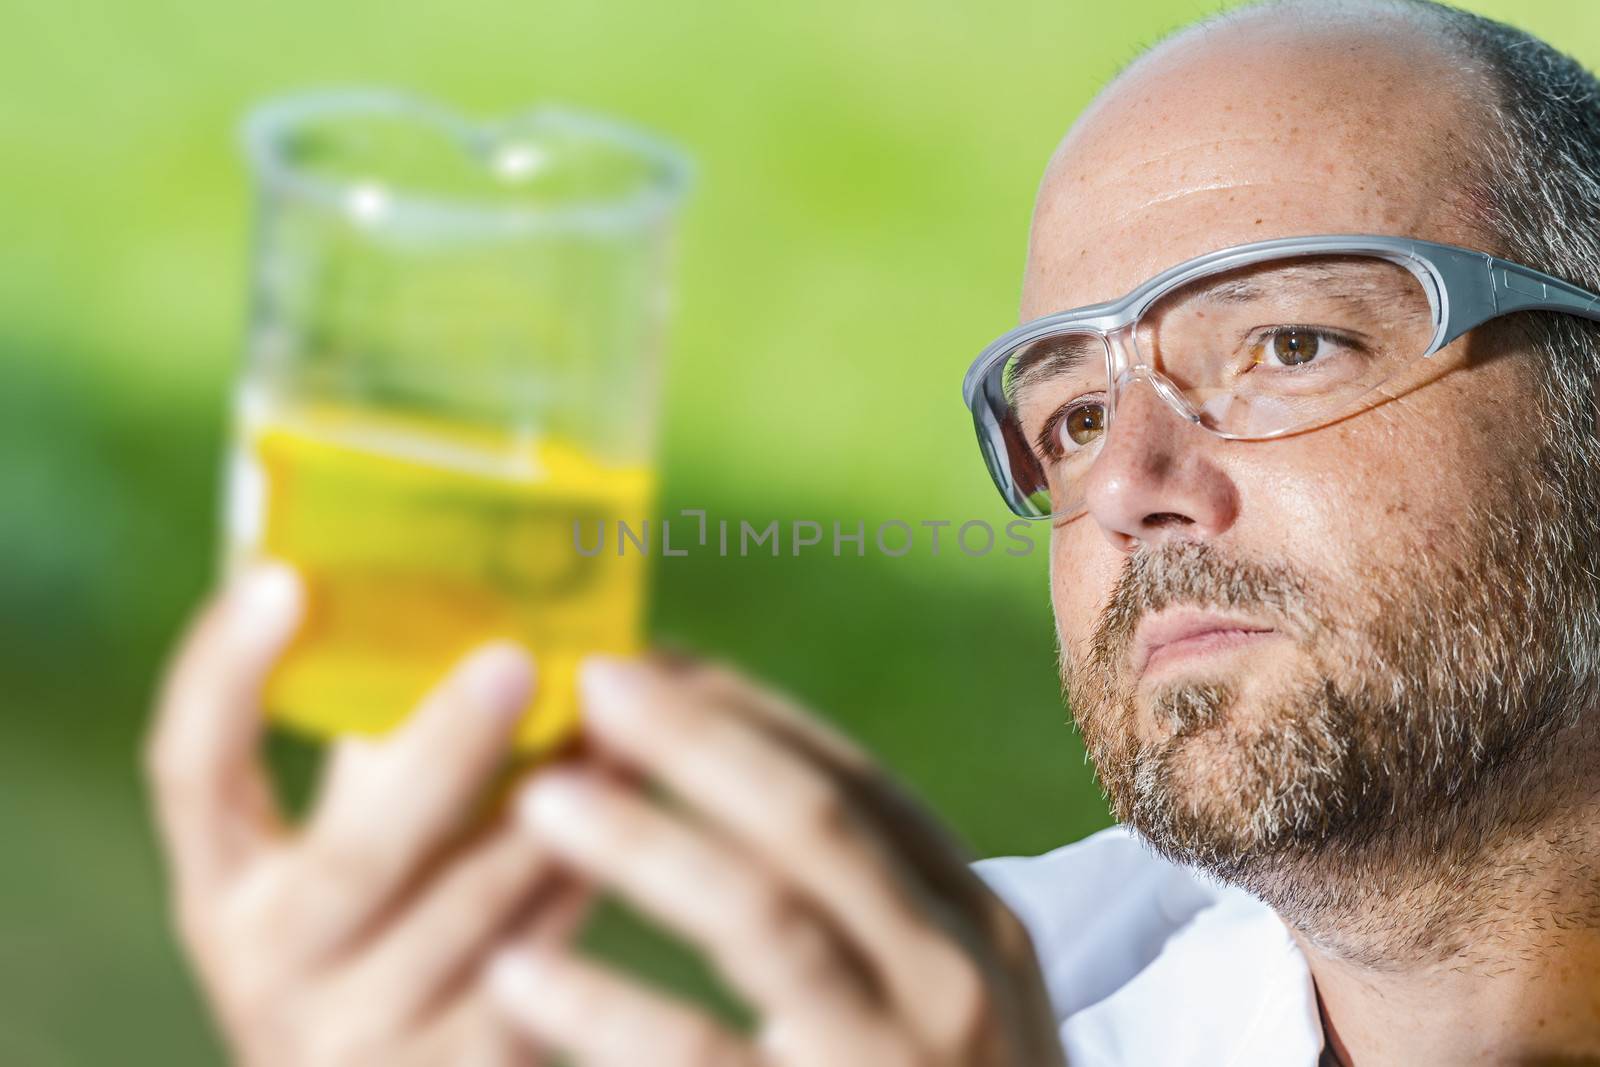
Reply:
x=817, y=888
x=359, y=936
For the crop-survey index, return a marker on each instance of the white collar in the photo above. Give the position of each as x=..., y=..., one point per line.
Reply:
x=1149, y=963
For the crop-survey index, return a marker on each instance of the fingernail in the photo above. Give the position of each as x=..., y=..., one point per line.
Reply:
x=611, y=687
x=498, y=678
x=518, y=976
x=269, y=602
x=775, y=1039
x=555, y=801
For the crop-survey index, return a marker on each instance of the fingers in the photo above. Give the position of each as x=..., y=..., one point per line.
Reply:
x=491, y=1041
x=788, y=811
x=921, y=841
x=558, y=917
x=553, y=919
x=600, y=1019
x=213, y=805
x=764, y=941
x=391, y=805
x=431, y=947
x=778, y=713
x=500, y=1042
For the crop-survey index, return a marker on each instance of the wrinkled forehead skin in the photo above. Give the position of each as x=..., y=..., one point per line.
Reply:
x=1341, y=119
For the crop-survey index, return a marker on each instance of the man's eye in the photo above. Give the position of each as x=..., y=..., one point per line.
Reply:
x=1074, y=427
x=1084, y=423
x=1294, y=346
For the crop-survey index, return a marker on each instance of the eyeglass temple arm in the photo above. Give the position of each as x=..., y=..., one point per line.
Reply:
x=1496, y=287
x=1519, y=288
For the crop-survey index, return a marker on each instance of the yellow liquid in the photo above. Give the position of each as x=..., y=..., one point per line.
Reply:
x=419, y=540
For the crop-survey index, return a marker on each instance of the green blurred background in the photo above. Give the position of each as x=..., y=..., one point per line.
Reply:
x=857, y=233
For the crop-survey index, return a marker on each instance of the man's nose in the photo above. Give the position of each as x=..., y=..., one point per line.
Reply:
x=1156, y=478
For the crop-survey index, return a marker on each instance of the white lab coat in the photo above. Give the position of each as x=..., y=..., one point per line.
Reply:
x=1151, y=964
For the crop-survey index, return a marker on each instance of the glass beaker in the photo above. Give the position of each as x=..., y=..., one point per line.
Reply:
x=451, y=369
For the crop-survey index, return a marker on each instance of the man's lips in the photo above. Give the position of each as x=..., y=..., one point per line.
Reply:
x=1172, y=635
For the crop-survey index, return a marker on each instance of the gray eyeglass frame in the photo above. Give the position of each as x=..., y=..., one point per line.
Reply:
x=1466, y=288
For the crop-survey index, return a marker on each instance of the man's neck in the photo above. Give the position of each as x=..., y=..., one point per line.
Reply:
x=1529, y=995
x=1483, y=949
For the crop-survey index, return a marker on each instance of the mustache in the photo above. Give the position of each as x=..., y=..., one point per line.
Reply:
x=1194, y=574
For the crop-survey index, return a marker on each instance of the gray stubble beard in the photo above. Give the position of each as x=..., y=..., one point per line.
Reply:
x=1419, y=740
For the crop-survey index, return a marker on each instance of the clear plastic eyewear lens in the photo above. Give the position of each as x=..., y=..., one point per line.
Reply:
x=1287, y=344
x=1258, y=351
x=1052, y=401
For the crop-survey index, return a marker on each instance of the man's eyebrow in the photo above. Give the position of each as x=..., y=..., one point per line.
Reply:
x=1049, y=357
x=1327, y=282
x=1060, y=354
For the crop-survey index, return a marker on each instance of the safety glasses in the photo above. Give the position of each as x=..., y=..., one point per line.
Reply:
x=1251, y=342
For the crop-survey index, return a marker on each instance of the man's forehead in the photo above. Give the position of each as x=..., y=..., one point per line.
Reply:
x=1260, y=132
x=1079, y=257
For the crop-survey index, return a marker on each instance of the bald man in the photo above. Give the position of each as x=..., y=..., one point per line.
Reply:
x=1305, y=393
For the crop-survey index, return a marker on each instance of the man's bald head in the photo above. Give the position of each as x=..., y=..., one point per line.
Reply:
x=1349, y=117
x=1458, y=126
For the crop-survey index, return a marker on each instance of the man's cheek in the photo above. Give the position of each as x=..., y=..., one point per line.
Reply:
x=1080, y=586
x=1074, y=622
